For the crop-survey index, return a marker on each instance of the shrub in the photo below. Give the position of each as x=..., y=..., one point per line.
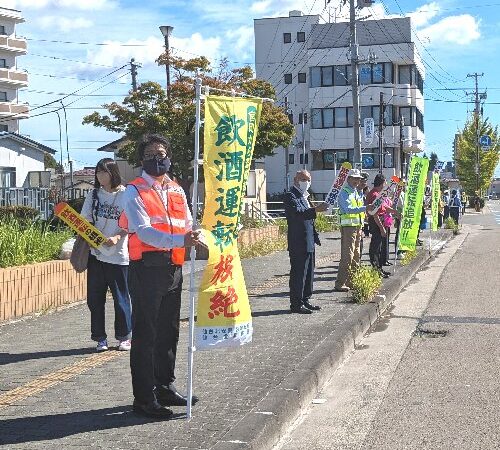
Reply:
x=31, y=243
x=263, y=247
x=450, y=224
x=24, y=214
x=251, y=222
x=366, y=282
x=282, y=223
x=325, y=223
x=409, y=256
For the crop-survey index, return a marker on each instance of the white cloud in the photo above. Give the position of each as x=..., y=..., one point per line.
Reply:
x=63, y=24
x=147, y=51
x=260, y=6
x=422, y=15
x=73, y=4
x=242, y=38
x=461, y=30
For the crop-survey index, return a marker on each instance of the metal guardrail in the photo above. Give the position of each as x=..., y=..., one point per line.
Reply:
x=270, y=211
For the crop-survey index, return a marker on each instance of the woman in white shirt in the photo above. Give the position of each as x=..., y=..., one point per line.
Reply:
x=108, y=265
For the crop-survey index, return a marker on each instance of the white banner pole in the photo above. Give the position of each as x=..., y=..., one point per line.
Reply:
x=192, y=292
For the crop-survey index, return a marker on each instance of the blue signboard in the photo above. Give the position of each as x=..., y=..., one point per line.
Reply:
x=368, y=161
x=485, y=141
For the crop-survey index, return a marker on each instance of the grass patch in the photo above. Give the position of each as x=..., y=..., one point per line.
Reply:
x=263, y=247
x=326, y=223
x=450, y=224
x=22, y=244
x=366, y=282
x=409, y=256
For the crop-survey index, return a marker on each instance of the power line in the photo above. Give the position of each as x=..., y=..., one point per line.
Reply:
x=86, y=43
x=72, y=60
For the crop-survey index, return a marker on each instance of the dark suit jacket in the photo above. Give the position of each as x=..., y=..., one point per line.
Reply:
x=300, y=217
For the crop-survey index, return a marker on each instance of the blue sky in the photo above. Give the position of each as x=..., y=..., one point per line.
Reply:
x=457, y=37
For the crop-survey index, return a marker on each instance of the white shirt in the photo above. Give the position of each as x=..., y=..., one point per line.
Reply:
x=108, y=210
x=138, y=219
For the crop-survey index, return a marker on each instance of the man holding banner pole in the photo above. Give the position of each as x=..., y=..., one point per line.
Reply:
x=159, y=222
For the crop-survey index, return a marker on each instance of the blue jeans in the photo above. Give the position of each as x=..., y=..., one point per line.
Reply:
x=100, y=277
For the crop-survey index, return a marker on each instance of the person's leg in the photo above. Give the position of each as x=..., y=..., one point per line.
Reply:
x=147, y=288
x=356, y=256
x=309, y=277
x=96, y=298
x=168, y=321
x=375, y=245
x=117, y=279
x=348, y=237
x=296, y=282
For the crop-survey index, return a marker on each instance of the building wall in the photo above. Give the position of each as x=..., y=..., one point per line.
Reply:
x=23, y=158
x=326, y=45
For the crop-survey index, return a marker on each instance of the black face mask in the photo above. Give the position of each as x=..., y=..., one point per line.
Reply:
x=156, y=167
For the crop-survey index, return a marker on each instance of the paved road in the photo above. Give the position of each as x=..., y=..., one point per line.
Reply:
x=427, y=376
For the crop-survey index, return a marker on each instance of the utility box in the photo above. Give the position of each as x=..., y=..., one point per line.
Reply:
x=365, y=3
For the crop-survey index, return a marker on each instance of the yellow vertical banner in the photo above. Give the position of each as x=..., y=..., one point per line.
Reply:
x=223, y=312
x=435, y=200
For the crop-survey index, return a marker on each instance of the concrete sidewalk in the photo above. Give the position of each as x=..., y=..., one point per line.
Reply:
x=56, y=393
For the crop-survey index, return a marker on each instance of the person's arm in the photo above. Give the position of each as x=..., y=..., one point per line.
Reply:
x=138, y=222
x=344, y=206
x=295, y=206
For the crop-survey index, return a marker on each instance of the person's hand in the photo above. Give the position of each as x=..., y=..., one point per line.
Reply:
x=113, y=240
x=192, y=238
x=383, y=232
x=369, y=208
x=322, y=207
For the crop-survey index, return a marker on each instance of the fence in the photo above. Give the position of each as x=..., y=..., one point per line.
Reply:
x=269, y=211
x=41, y=199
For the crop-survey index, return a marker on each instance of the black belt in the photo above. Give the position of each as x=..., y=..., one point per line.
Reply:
x=155, y=259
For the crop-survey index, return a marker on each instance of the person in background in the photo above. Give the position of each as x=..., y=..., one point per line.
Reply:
x=302, y=237
x=387, y=220
x=440, y=210
x=446, y=201
x=455, y=206
x=399, y=209
x=108, y=267
x=352, y=216
x=159, y=224
x=463, y=199
x=423, y=224
x=363, y=192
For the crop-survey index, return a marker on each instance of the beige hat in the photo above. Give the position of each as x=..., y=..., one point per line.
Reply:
x=354, y=173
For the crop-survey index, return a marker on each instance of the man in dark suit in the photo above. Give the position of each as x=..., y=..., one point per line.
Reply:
x=302, y=237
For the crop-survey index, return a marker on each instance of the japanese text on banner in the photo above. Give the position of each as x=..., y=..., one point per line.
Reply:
x=412, y=209
x=331, y=198
x=223, y=312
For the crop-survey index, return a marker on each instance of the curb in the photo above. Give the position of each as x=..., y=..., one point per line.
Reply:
x=264, y=425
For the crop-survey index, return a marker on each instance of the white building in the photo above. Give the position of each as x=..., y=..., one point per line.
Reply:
x=11, y=79
x=308, y=64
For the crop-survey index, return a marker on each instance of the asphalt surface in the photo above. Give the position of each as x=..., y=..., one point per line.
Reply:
x=426, y=377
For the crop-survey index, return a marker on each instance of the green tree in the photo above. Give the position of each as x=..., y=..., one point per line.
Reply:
x=149, y=111
x=466, y=155
x=433, y=160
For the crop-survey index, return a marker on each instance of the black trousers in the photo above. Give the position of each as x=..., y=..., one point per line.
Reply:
x=376, y=245
x=301, y=277
x=156, y=303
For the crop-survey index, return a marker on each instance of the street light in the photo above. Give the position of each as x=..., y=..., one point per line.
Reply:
x=166, y=30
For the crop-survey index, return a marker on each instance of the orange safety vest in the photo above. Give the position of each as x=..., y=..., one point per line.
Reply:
x=172, y=220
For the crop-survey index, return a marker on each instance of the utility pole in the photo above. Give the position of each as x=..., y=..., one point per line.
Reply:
x=354, y=83
x=287, y=152
x=402, y=156
x=477, y=112
x=303, y=121
x=381, y=133
x=133, y=72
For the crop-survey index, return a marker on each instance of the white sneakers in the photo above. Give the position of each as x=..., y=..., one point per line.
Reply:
x=123, y=346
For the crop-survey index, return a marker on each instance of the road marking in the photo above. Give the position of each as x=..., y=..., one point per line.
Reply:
x=45, y=382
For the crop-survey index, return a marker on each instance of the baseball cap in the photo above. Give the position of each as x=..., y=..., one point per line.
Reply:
x=354, y=173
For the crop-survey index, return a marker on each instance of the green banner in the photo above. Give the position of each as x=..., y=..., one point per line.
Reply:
x=413, y=203
x=435, y=191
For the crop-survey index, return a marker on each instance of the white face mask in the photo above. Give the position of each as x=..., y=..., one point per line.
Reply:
x=304, y=185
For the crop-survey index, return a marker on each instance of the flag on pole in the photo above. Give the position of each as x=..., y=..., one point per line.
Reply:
x=331, y=198
x=435, y=200
x=223, y=313
x=412, y=209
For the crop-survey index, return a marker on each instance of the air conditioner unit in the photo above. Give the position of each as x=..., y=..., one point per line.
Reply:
x=365, y=3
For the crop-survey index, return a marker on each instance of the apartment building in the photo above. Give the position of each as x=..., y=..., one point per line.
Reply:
x=11, y=78
x=308, y=63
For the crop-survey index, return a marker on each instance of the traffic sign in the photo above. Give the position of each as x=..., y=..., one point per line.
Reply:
x=485, y=141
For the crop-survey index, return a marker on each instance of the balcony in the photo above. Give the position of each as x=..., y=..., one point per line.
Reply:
x=13, y=78
x=16, y=110
x=14, y=45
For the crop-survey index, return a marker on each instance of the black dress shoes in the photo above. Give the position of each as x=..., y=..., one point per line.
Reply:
x=312, y=307
x=153, y=410
x=388, y=263
x=300, y=310
x=168, y=396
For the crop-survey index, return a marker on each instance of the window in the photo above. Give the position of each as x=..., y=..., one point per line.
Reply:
x=2, y=30
x=388, y=115
x=302, y=77
x=388, y=72
x=328, y=118
x=375, y=73
x=301, y=158
x=316, y=120
x=7, y=176
x=287, y=38
x=407, y=113
x=301, y=36
x=419, y=119
x=3, y=96
x=340, y=117
x=288, y=78
x=300, y=118
x=291, y=158
x=4, y=127
x=365, y=113
x=327, y=76
x=332, y=158
x=378, y=73
x=332, y=117
x=365, y=74
x=404, y=75
x=340, y=75
x=3, y=63
x=315, y=76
